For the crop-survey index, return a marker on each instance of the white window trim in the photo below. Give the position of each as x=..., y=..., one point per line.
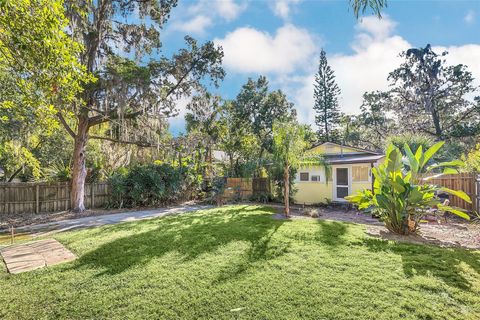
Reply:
x=315, y=172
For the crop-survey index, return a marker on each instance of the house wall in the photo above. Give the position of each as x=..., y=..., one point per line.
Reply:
x=313, y=192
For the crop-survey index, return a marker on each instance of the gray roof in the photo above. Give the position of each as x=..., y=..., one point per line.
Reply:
x=354, y=158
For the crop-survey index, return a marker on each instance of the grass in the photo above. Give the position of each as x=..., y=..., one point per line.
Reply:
x=238, y=263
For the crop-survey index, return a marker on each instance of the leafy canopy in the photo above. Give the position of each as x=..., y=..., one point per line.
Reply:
x=37, y=53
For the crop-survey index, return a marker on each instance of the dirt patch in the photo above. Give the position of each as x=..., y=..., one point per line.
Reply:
x=454, y=233
x=345, y=215
x=450, y=235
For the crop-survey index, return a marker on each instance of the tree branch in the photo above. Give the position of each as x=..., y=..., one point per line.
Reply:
x=65, y=125
x=113, y=114
x=137, y=143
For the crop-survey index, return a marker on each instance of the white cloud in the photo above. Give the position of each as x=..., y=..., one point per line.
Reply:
x=282, y=8
x=375, y=54
x=468, y=55
x=197, y=25
x=250, y=50
x=229, y=9
x=371, y=29
x=291, y=57
x=469, y=17
x=197, y=18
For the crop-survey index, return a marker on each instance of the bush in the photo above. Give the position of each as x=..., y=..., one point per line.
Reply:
x=146, y=185
x=400, y=198
x=217, y=189
x=263, y=197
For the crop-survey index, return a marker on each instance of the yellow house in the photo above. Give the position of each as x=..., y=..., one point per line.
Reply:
x=348, y=170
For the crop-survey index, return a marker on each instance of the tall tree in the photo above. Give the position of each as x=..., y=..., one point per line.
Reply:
x=203, y=117
x=258, y=108
x=127, y=91
x=237, y=140
x=326, y=93
x=432, y=97
x=39, y=71
x=288, y=148
x=372, y=125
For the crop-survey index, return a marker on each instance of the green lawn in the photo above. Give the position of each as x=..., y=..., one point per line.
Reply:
x=238, y=263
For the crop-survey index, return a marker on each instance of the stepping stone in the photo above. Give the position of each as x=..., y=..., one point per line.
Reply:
x=35, y=255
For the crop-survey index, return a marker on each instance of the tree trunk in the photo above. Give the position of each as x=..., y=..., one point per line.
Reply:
x=286, y=195
x=327, y=137
x=436, y=122
x=208, y=162
x=79, y=170
x=15, y=173
x=232, y=165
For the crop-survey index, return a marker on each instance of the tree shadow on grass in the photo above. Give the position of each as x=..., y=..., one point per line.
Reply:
x=190, y=235
x=427, y=260
x=332, y=233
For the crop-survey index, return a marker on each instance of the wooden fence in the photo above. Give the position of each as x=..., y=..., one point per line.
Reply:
x=16, y=198
x=242, y=188
x=467, y=182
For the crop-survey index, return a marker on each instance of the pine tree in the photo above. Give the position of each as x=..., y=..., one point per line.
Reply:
x=326, y=93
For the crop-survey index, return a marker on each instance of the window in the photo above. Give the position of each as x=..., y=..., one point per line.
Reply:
x=304, y=176
x=316, y=178
x=360, y=173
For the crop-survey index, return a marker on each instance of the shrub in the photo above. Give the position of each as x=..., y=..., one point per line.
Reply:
x=217, y=189
x=400, y=198
x=146, y=185
x=263, y=197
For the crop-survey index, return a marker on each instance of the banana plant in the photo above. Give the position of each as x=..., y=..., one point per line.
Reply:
x=399, y=197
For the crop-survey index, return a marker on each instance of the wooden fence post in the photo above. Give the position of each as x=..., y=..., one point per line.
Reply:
x=92, y=195
x=67, y=195
x=37, y=199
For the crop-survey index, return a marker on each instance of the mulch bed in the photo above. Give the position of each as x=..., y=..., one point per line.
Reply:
x=453, y=233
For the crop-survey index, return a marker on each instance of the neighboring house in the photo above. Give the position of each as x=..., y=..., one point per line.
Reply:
x=349, y=170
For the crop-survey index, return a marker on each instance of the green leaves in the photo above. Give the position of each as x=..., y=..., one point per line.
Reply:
x=394, y=159
x=456, y=211
x=449, y=165
x=398, y=196
x=37, y=52
x=413, y=162
x=431, y=151
x=458, y=193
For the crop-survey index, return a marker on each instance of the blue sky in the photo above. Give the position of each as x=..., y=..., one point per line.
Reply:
x=282, y=40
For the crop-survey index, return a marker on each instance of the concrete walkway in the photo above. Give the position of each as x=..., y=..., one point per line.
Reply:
x=95, y=221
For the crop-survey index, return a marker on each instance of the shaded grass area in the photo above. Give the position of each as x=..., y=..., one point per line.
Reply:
x=237, y=262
